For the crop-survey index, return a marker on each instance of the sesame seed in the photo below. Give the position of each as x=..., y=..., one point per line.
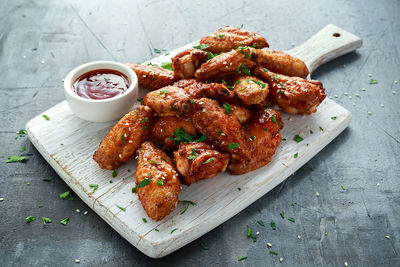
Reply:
x=378, y=184
x=346, y=264
x=350, y=97
x=257, y=233
x=85, y=213
x=382, y=105
x=298, y=237
x=370, y=75
x=269, y=245
x=224, y=62
x=317, y=194
x=77, y=210
x=357, y=94
x=281, y=259
x=394, y=92
x=1, y=199
x=395, y=82
x=131, y=201
x=77, y=261
x=130, y=129
x=363, y=89
x=62, y=79
x=387, y=237
x=290, y=118
x=144, y=76
x=354, y=104
x=369, y=112
x=43, y=62
x=346, y=93
x=120, y=156
x=293, y=44
x=336, y=96
x=130, y=141
x=113, y=190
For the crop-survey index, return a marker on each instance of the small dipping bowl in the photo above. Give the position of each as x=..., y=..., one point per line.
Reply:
x=101, y=110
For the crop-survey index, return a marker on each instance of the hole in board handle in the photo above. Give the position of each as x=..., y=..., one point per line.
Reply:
x=336, y=34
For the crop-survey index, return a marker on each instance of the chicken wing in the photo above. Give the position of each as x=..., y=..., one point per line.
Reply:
x=124, y=139
x=236, y=61
x=187, y=62
x=197, y=161
x=251, y=90
x=168, y=101
x=164, y=128
x=152, y=77
x=211, y=90
x=263, y=135
x=293, y=95
x=157, y=182
x=223, y=130
x=228, y=38
x=282, y=63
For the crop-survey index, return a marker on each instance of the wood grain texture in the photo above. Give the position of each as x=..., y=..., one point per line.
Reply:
x=217, y=199
x=68, y=33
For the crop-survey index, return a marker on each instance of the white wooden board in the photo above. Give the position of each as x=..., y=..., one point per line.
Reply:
x=217, y=199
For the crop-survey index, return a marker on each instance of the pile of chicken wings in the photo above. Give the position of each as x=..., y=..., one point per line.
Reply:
x=213, y=112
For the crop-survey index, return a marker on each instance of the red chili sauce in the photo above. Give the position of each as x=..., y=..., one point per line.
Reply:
x=101, y=84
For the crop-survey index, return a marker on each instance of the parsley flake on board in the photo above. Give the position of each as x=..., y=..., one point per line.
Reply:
x=227, y=108
x=121, y=208
x=282, y=215
x=134, y=190
x=261, y=223
x=188, y=202
x=157, y=51
x=94, y=187
x=66, y=195
x=47, y=179
x=242, y=258
x=15, y=158
x=156, y=230
x=46, y=220
x=65, y=221
x=333, y=118
x=163, y=91
x=144, y=220
x=144, y=182
x=298, y=138
x=233, y=145
x=22, y=133
x=373, y=81
x=273, y=225
x=201, y=46
x=22, y=149
x=296, y=155
x=343, y=187
x=321, y=129
x=167, y=66
x=291, y=219
x=173, y=230
x=203, y=246
x=47, y=118
x=30, y=219
x=114, y=173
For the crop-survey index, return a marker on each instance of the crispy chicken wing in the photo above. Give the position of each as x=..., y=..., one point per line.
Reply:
x=187, y=62
x=223, y=130
x=168, y=101
x=124, y=139
x=236, y=61
x=211, y=90
x=228, y=38
x=165, y=127
x=264, y=137
x=196, y=161
x=293, y=95
x=157, y=182
x=251, y=90
x=282, y=63
x=242, y=113
x=152, y=77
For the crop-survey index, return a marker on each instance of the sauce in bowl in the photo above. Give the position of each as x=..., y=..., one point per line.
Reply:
x=101, y=84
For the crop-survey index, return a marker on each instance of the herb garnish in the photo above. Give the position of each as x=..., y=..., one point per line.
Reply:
x=291, y=219
x=322, y=129
x=274, y=119
x=258, y=82
x=261, y=223
x=164, y=159
x=188, y=202
x=144, y=220
x=22, y=149
x=242, y=258
x=94, y=187
x=203, y=246
x=298, y=138
x=173, y=230
x=66, y=195
x=134, y=190
x=167, y=66
x=140, y=100
x=15, y=158
x=296, y=155
x=160, y=182
x=114, y=173
x=202, y=138
x=201, y=46
x=209, y=160
x=343, y=187
x=123, y=139
x=373, y=81
x=155, y=229
x=333, y=118
x=46, y=117
x=227, y=108
x=121, y=208
x=30, y=219
x=144, y=182
x=233, y=145
x=244, y=69
x=22, y=133
x=157, y=51
x=65, y=221
x=181, y=136
x=273, y=225
x=47, y=179
x=193, y=156
x=144, y=120
x=46, y=220
x=273, y=252
x=152, y=161
x=282, y=215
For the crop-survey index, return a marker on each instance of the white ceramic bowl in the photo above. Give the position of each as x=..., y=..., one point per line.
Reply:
x=101, y=110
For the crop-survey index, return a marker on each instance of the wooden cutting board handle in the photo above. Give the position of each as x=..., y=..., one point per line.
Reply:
x=329, y=43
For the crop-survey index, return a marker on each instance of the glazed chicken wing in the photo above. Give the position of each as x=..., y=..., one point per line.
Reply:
x=168, y=101
x=157, y=182
x=293, y=95
x=152, y=77
x=223, y=130
x=236, y=61
x=251, y=90
x=211, y=90
x=187, y=62
x=164, y=128
x=124, y=139
x=282, y=63
x=228, y=38
x=263, y=135
x=196, y=161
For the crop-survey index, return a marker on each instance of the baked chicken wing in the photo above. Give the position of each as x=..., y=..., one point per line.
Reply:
x=152, y=77
x=223, y=130
x=157, y=182
x=236, y=61
x=187, y=62
x=168, y=101
x=164, y=129
x=251, y=90
x=263, y=136
x=199, y=89
x=196, y=161
x=293, y=95
x=282, y=63
x=124, y=139
x=228, y=38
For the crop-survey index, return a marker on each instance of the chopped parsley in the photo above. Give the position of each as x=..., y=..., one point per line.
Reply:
x=261, y=223
x=273, y=252
x=144, y=127
x=291, y=219
x=144, y=182
x=181, y=136
x=282, y=215
x=164, y=159
x=298, y=138
x=252, y=138
x=65, y=221
x=193, y=155
x=326, y=233
x=163, y=91
x=157, y=51
x=274, y=119
x=47, y=179
x=233, y=145
x=22, y=149
x=114, y=173
x=160, y=182
x=173, y=230
x=333, y=118
x=167, y=66
x=266, y=129
x=221, y=36
x=322, y=129
x=134, y=190
x=203, y=246
x=227, y=108
x=94, y=187
x=202, y=138
x=373, y=81
x=144, y=120
x=144, y=220
x=121, y=208
x=15, y=158
x=155, y=229
x=275, y=77
x=238, y=81
x=273, y=225
x=140, y=100
x=343, y=187
x=191, y=101
x=258, y=82
x=311, y=132
x=244, y=69
x=22, y=133
x=188, y=202
x=265, y=70
x=123, y=139
x=30, y=219
x=110, y=181
x=242, y=258
x=66, y=195
x=296, y=155
x=201, y=46
x=46, y=117
x=152, y=161
x=46, y=220
x=209, y=160
x=239, y=189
